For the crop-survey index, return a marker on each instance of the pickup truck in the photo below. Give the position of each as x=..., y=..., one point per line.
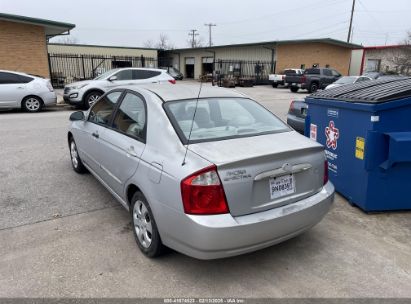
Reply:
x=276, y=79
x=312, y=79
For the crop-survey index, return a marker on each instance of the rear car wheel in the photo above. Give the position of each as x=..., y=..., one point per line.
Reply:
x=32, y=104
x=294, y=89
x=313, y=88
x=145, y=228
x=275, y=84
x=75, y=158
x=91, y=98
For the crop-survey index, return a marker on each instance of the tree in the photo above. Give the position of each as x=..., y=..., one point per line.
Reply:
x=196, y=42
x=149, y=44
x=400, y=57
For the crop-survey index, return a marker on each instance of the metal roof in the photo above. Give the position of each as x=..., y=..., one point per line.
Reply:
x=169, y=92
x=52, y=28
x=279, y=42
x=104, y=46
x=374, y=91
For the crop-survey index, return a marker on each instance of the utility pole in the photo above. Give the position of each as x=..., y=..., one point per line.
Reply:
x=210, y=43
x=352, y=15
x=193, y=34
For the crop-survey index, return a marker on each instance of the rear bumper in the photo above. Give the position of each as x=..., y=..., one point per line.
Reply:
x=297, y=123
x=49, y=98
x=220, y=236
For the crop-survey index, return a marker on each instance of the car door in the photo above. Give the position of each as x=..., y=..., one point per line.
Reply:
x=89, y=132
x=122, y=77
x=124, y=143
x=327, y=77
x=12, y=90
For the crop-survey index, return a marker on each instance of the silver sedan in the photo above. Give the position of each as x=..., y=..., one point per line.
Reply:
x=210, y=175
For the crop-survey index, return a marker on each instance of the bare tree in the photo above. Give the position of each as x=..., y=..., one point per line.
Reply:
x=67, y=40
x=164, y=43
x=196, y=42
x=401, y=57
x=149, y=44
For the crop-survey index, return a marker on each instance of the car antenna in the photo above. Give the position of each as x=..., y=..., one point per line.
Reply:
x=192, y=122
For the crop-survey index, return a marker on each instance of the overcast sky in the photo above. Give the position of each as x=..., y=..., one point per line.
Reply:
x=132, y=22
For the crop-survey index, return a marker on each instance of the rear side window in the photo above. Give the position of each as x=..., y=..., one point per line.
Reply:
x=221, y=118
x=312, y=71
x=144, y=74
x=25, y=79
x=124, y=75
x=131, y=117
x=8, y=78
x=327, y=73
x=102, y=112
x=290, y=72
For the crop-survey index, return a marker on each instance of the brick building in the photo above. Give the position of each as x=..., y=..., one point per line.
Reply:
x=23, y=43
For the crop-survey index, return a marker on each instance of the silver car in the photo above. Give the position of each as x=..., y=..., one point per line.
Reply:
x=211, y=177
x=85, y=93
x=24, y=91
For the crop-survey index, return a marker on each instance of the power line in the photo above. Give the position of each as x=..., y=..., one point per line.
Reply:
x=193, y=34
x=210, y=43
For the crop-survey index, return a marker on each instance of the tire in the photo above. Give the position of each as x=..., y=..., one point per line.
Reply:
x=91, y=98
x=294, y=89
x=75, y=158
x=143, y=221
x=275, y=85
x=32, y=104
x=313, y=87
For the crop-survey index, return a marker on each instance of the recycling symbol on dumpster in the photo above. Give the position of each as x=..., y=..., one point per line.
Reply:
x=332, y=134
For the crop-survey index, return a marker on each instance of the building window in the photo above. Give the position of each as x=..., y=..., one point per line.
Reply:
x=327, y=66
x=373, y=65
x=303, y=67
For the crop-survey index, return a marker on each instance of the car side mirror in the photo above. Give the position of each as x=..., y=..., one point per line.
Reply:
x=112, y=78
x=78, y=115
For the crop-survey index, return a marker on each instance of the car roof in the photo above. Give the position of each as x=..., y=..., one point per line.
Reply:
x=169, y=92
x=21, y=73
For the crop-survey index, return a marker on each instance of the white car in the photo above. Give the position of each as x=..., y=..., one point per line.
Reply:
x=24, y=91
x=85, y=93
x=347, y=80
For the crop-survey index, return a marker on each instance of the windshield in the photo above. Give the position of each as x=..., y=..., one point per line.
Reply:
x=105, y=74
x=221, y=118
x=346, y=80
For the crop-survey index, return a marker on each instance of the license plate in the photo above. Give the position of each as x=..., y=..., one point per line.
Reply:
x=281, y=186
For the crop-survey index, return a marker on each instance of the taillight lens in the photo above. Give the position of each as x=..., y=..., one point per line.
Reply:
x=325, y=172
x=173, y=81
x=203, y=193
x=303, y=79
x=291, y=106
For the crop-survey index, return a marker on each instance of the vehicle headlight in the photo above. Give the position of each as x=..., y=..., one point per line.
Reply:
x=77, y=87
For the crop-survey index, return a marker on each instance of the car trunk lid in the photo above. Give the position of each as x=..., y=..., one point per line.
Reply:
x=264, y=172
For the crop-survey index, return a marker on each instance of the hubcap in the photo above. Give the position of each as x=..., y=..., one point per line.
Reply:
x=32, y=104
x=92, y=99
x=142, y=224
x=74, y=154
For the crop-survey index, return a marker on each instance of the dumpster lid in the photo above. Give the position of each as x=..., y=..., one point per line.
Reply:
x=373, y=91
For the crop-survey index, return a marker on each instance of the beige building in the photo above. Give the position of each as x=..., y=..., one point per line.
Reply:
x=263, y=58
x=23, y=43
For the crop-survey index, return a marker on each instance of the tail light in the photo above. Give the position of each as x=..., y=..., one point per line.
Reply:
x=303, y=79
x=291, y=106
x=172, y=81
x=203, y=193
x=49, y=86
x=283, y=77
x=325, y=172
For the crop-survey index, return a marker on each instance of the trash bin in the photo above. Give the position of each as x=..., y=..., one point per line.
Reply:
x=366, y=131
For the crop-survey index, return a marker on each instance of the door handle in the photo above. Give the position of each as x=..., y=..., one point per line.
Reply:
x=95, y=134
x=131, y=152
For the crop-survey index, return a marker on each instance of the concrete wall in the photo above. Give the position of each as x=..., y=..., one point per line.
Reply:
x=100, y=50
x=294, y=55
x=23, y=48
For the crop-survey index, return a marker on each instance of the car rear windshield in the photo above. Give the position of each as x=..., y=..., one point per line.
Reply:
x=212, y=119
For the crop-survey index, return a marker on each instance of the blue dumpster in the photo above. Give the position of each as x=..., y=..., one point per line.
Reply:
x=366, y=131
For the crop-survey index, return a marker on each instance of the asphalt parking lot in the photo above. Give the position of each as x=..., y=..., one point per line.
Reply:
x=63, y=235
